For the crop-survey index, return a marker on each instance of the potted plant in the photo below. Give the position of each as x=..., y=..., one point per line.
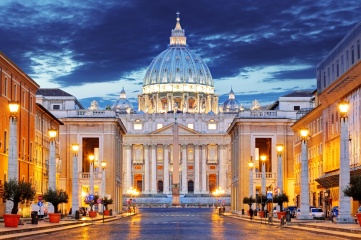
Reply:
x=91, y=200
x=354, y=190
x=55, y=197
x=249, y=200
x=106, y=201
x=280, y=199
x=16, y=191
x=262, y=199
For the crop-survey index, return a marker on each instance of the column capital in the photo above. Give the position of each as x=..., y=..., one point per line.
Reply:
x=196, y=146
x=127, y=146
x=154, y=146
x=184, y=146
x=166, y=146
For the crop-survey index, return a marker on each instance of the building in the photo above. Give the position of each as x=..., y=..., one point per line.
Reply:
x=256, y=133
x=31, y=139
x=338, y=78
x=99, y=133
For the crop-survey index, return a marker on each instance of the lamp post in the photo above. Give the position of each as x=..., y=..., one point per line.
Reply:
x=250, y=165
x=75, y=182
x=344, y=214
x=279, y=148
x=52, y=161
x=102, y=194
x=13, y=164
x=305, y=198
x=263, y=182
x=91, y=175
x=218, y=192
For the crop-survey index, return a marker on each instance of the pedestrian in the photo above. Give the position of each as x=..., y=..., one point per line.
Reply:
x=251, y=213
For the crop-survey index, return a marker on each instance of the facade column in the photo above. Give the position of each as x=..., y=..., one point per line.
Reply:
x=305, y=197
x=154, y=170
x=166, y=169
x=146, y=169
x=222, y=167
x=129, y=184
x=184, y=170
x=196, y=169
x=204, y=169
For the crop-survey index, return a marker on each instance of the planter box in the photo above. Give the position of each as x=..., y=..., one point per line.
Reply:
x=54, y=217
x=106, y=212
x=358, y=215
x=92, y=214
x=11, y=220
x=262, y=214
x=281, y=214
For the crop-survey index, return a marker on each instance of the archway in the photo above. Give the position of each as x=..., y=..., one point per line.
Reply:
x=190, y=186
x=160, y=186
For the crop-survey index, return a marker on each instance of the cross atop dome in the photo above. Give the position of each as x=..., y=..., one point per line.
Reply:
x=178, y=37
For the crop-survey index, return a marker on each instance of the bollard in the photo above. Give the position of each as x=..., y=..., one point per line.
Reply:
x=34, y=217
x=77, y=215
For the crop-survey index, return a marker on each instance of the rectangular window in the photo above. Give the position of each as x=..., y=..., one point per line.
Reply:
x=347, y=60
x=159, y=125
x=212, y=126
x=6, y=87
x=296, y=108
x=190, y=125
x=337, y=69
x=358, y=49
x=352, y=55
x=138, y=126
x=324, y=79
x=56, y=107
x=342, y=65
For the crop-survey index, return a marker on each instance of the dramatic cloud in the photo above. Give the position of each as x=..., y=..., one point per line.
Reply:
x=263, y=49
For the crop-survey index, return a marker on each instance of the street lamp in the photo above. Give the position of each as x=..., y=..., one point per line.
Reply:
x=263, y=182
x=75, y=182
x=91, y=175
x=279, y=148
x=305, y=198
x=52, y=161
x=13, y=164
x=219, y=191
x=344, y=214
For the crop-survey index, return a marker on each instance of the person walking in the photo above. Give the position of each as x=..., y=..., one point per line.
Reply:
x=251, y=213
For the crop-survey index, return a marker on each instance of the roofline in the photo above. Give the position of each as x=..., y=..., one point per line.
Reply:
x=49, y=113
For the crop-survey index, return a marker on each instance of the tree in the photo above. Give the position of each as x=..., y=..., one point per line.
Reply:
x=56, y=197
x=106, y=201
x=18, y=191
x=354, y=189
x=262, y=199
x=249, y=200
x=280, y=199
x=91, y=201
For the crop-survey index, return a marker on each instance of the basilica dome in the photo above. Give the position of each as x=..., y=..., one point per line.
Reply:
x=231, y=104
x=178, y=69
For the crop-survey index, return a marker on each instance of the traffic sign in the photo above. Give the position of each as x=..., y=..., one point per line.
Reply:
x=269, y=195
x=276, y=190
x=40, y=197
x=40, y=203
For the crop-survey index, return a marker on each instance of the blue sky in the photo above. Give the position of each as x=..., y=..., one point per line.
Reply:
x=92, y=49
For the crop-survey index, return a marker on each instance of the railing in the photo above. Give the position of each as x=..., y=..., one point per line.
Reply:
x=86, y=175
x=267, y=114
x=258, y=175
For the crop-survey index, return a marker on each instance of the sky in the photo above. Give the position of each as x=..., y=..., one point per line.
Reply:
x=91, y=49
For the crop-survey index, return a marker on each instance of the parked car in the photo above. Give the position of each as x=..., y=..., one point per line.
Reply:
x=333, y=213
x=292, y=210
x=317, y=213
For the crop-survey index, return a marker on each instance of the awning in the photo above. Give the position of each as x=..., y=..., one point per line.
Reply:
x=330, y=180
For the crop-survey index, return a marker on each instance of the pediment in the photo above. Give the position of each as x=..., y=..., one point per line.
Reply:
x=168, y=130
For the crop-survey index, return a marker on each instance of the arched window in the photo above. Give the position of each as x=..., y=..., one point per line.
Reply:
x=190, y=186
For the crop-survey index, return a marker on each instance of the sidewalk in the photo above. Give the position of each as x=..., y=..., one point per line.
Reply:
x=349, y=231
x=44, y=226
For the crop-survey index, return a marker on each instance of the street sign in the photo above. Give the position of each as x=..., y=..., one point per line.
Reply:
x=40, y=197
x=269, y=195
x=276, y=190
x=40, y=203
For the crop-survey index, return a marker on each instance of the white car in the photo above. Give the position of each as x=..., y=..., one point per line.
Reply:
x=317, y=213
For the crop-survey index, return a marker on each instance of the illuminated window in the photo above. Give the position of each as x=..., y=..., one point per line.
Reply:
x=212, y=167
x=190, y=167
x=212, y=126
x=138, y=167
x=190, y=125
x=159, y=125
x=138, y=126
x=160, y=167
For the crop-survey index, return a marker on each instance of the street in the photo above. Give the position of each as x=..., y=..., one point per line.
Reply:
x=180, y=223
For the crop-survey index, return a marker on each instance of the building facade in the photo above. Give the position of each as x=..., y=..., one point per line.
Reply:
x=338, y=78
